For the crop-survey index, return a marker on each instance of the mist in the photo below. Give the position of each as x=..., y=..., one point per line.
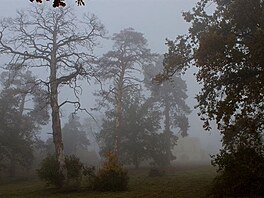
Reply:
x=85, y=133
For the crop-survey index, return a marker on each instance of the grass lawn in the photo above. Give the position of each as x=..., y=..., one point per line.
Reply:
x=180, y=182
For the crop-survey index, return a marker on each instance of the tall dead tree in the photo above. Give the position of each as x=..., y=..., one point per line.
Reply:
x=54, y=40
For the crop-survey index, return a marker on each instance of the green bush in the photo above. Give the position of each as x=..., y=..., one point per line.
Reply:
x=240, y=174
x=74, y=169
x=89, y=175
x=50, y=173
x=111, y=177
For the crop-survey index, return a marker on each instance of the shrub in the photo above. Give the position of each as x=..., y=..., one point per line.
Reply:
x=90, y=175
x=50, y=173
x=111, y=177
x=74, y=169
x=241, y=174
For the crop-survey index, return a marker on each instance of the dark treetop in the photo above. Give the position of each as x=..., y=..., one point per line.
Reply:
x=58, y=3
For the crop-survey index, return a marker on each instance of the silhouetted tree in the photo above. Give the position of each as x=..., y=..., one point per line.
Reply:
x=169, y=96
x=20, y=121
x=226, y=44
x=52, y=40
x=121, y=68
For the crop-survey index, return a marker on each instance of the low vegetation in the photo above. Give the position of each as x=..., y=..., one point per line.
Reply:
x=49, y=171
x=240, y=174
x=180, y=181
x=112, y=176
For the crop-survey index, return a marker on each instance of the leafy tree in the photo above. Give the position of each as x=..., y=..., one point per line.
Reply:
x=61, y=3
x=20, y=121
x=120, y=68
x=52, y=40
x=226, y=49
x=74, y=137
x=169, y=97
x=139, y=122
x=227, y=46
x=158, y=149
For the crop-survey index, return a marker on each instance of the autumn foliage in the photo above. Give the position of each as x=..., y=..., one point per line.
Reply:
x=112, y=176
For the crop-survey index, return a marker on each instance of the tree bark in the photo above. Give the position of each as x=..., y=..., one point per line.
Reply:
x=56, y=123
x=117, y=124
x=57, y=134
x=118, y=111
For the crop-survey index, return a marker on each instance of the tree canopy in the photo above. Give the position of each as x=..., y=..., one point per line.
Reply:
x=225, y=42
x=226, y=46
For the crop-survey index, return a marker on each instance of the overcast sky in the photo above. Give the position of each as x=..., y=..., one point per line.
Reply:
x=156, y=19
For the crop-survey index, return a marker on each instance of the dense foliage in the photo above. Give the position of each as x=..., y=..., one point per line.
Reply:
x=225, y=42
x=49, y=172
x=140, y=121
x=241, y=173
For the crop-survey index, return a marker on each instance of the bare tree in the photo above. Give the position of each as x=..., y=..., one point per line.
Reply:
x=53, y=40
x=121, y=68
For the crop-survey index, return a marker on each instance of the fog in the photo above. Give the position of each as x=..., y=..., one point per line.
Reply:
x=157, y=20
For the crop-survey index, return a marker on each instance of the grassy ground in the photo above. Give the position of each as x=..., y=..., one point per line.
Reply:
x=180, y=182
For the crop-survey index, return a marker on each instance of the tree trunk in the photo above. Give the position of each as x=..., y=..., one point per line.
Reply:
x=57, y=134
x=118, y=111
x=167, y=133
x=56, y=123
x=118, y=114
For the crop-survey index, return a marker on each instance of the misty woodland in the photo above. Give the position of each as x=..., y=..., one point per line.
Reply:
x=85, y=113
